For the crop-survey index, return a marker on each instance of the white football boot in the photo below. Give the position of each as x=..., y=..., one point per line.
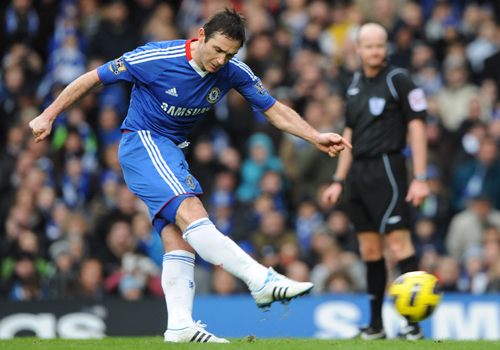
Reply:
x=279, y=288
x=195, y=333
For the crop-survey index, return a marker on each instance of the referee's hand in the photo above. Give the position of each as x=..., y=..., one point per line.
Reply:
x=417, y=192
x=332, y=144
x=332, y=193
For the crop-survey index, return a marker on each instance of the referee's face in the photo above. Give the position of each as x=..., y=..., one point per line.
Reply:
x=372, y=49
x=217, y=51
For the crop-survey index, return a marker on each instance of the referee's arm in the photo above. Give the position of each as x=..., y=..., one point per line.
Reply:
x=286, y=119
x=332, y=193
x=418, y=189
x=413, y=106
x=41, y=126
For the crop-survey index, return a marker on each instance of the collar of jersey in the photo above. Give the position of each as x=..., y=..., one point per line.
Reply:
x=192, y=63
x=379, y=74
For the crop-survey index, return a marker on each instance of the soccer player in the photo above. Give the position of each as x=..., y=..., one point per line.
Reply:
x=382, y=105
x=175, y=83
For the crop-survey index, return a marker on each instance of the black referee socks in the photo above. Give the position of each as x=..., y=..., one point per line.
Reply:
x=408, y=265
x=376, y=276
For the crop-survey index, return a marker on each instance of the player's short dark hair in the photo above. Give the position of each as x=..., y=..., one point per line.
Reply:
x=227, y=22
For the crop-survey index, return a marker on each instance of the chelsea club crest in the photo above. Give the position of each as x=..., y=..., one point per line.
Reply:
x=190, y=182
x=213, y=95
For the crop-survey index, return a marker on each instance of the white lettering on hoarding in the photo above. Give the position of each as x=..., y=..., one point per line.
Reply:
x=481, y=320
x=76, y=325
x=337, y=319
x=43, y=325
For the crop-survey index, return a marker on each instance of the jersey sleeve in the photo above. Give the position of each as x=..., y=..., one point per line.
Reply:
x=250, y=86
x=412, y=98
x=145, y=63
x=113, y=72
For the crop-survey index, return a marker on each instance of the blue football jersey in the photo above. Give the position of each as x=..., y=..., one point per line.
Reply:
x=171, y=92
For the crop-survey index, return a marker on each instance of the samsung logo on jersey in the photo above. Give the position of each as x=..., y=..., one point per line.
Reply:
x=180, y=111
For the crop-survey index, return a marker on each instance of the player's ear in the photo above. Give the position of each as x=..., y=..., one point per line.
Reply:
x=201, y=35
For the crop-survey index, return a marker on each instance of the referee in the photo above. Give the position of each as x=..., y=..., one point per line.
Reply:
x=382, y=106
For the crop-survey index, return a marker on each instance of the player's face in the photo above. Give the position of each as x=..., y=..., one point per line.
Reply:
x=372, y=49
x=217, y=51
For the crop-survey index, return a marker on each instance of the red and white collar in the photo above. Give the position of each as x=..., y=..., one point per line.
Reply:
x=191, y=61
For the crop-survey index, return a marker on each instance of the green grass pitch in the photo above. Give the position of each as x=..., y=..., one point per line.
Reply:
x=153, y=343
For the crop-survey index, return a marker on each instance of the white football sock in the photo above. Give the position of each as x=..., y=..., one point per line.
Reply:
x=178, y=285
x=221, y=251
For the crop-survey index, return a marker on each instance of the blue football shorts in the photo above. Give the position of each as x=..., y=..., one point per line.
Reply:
x=156, y=171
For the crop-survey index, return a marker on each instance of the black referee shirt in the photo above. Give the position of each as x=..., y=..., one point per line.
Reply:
x=379, y=109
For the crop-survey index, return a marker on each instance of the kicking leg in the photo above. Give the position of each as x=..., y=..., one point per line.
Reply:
x=265, y=284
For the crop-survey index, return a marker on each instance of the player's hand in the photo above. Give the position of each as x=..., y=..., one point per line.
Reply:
x=41, y=127
x=332, y=144
x=332, y=193
x=417, y=192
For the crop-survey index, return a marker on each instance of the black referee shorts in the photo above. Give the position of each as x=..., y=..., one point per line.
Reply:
x=377, y=191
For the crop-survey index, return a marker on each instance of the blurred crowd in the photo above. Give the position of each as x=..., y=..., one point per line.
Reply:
x=70, y=228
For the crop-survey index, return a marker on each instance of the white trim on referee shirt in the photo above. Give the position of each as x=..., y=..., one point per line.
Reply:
x=390, y=83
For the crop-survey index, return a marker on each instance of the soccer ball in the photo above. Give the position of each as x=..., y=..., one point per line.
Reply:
x=416, y=295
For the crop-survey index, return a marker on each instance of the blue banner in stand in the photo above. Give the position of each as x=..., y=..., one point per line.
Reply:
x=459, y=316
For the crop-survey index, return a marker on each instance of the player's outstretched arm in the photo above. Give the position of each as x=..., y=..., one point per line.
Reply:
x=288, y=120
x=41, y=126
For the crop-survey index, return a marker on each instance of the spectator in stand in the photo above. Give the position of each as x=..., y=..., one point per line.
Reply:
x=222, y=211
x=308, y=220
x=426, y=236
x=466, y=227
x=478, y=176
x=64, y=283
x=339, y=227
x=75, y=184
x=109, y=127
x=26, y=282
x=454, y=98
x=21, y=21
x=224, y=283
x=494, y=277
x=148, y=241
x=261, y=159
x=447, y=271
x=435, y=206
x=119, y=241
x=474, y=278
x=116, y=34
x=339, y=283
x=491, y=247
x=298, y=270
x=125, y=210
x=138, y=277
x=205, y=165
x=272, y=233
x=484, y=46
x=91, y=280
x=272, y=184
